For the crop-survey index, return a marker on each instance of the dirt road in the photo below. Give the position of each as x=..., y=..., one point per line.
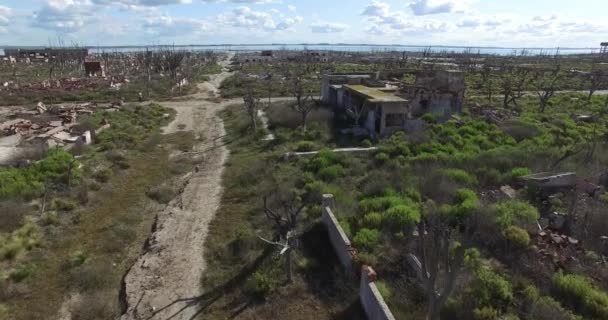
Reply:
x=165, y=281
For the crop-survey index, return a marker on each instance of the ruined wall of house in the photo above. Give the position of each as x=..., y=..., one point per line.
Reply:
x=337, y=236
x=438, y=92
x=372, y=301
x=370, y=297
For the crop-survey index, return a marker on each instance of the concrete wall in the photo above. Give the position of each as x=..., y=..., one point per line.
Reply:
x=337, y=236
x=371, y=299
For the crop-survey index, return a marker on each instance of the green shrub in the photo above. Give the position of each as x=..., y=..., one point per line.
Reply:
x=520, y=172
x=102, y=175
x=381, y=157
x=402, y=217
x=515, y=212
x=373, y=220
x=578, y=293
x=50, y=218
x=604, y=197
x=367, y=238
x=259, y=285
x=63, y=204
x=305, y=146
x=331, y=173
x=367, y=258
x=345, y=225
x=323, y=159
x=466, y=202
x=546, y=308
x=21, y=272
x=384, y=290
x=24, y=238
x=491, y=289
x=517, y=237
x=366, y=143
x=461, y=176
x=428, y=118
x=485, y=313
x=29, y=182
x=77, y=258
x=162, y=194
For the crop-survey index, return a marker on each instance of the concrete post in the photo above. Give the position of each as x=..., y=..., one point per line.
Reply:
x=328, y=201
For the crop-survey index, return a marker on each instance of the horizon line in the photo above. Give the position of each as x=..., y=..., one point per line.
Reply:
x=305, y=44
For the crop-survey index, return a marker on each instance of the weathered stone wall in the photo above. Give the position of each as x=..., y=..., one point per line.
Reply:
x=371, y=299
x=337, y=236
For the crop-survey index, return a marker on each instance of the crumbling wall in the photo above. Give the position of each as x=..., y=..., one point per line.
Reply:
x=370, y=297
x=337, y=236
x=374, y=305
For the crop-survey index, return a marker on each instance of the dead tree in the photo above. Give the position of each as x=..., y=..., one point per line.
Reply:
x=546, y=83
x=304, y=103
x=251, y=105
x=441, y=261
x=596, y=79
x=487, y=81
x=513, y=82
x=286, y=223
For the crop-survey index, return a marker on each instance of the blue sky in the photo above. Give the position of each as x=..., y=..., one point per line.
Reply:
x=520, y=23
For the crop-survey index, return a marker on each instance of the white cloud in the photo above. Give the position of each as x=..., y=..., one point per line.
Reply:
x=5, y=12
x=166, y=25
x=328, y=27
x=146, y=3
x=376, y=9
x=426, y=7
x=292, y=8
x=244, y=1
x=245, y=17
x=65, y=16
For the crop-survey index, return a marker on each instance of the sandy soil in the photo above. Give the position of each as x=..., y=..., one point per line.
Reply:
x=165, y=281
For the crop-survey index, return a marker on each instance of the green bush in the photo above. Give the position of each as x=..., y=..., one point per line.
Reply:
x=485, y=313
x=102, y=175
x=428, y=118
x=366, y=143
x=24, y=238
x=402, y=217
x=578, y=293
x=461, y=176
x=323, y=159
x=373, y=220
x=260, y=285
x=546, y=308
x=50, y=218
x=162, y=194
x=517, y=237
x=367, y=258
x=520, y=172
x=491, y=289
x=331, y=173
x=305, y=146
x=381, y=157
x=515, y=212
x=77, y=258
x=466, y=203
x=29, y=182
x=367, y=238
x=21, y=272
x=384, y=290
x=63, y=204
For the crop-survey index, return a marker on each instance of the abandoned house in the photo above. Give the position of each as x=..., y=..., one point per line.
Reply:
x=382, y=108
x=93, y=69
x=45, y=54
x=440, y=93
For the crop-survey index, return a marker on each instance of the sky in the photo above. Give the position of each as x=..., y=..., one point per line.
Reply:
x=507, y=23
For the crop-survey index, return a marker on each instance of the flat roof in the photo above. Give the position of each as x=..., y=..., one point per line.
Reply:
x=375, y=95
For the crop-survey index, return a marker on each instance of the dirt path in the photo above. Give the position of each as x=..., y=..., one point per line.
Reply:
x=165, y=281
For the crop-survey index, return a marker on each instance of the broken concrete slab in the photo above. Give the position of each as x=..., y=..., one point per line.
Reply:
x=551, y=180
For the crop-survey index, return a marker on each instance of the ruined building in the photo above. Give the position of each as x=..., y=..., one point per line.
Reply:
x=382, y=107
